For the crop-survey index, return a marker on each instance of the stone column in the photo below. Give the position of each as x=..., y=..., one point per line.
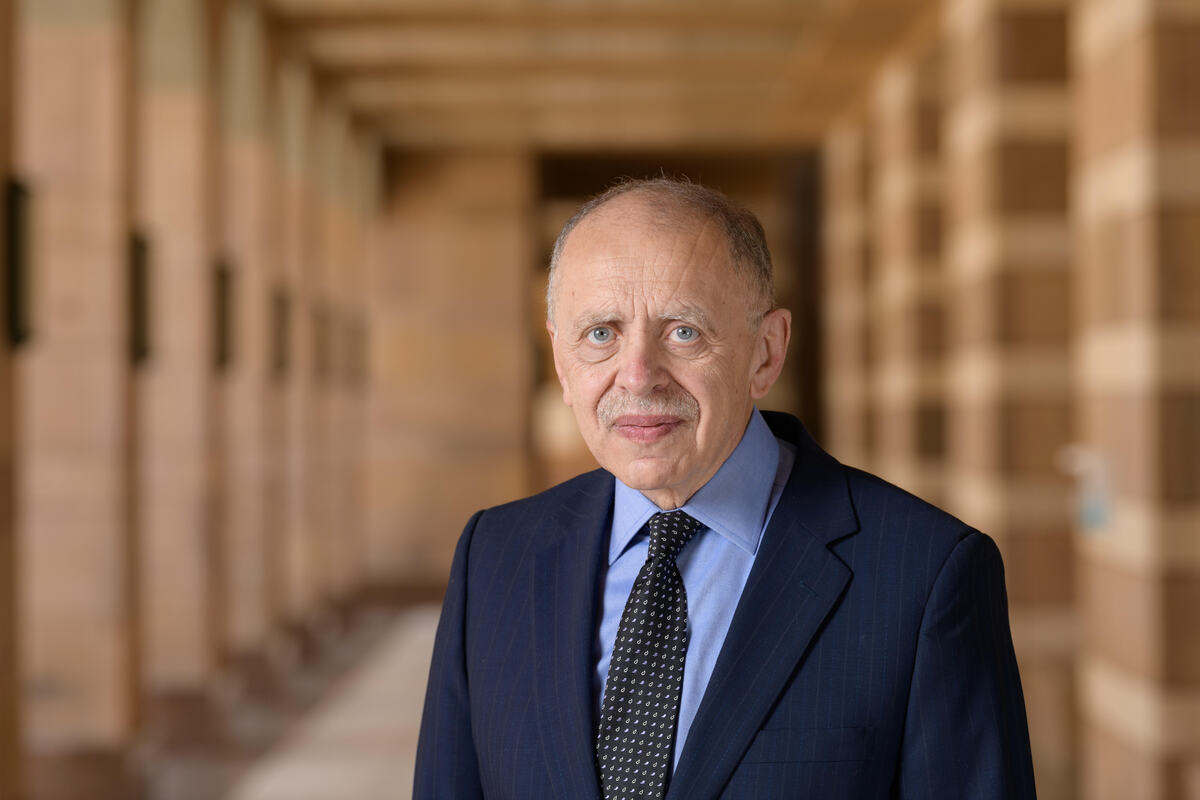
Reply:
x=176, y=171
x=247, y=217
x=368, y=166
x=449, y=410
x=278, y=312
x=328, y=269
x=907, y=299
x=298, y=239
x=368, y=197
x=1006, y=162
x=344, y=270
x=1137, y=358
x=9, y=660
x=847, y=257
x=76, y=557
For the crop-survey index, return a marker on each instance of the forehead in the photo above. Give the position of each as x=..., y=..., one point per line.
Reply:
x=630, y=244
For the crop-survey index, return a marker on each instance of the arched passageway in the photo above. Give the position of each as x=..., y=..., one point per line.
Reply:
x=272, y=274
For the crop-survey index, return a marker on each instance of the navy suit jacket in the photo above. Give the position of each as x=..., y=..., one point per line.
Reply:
x=869, y=655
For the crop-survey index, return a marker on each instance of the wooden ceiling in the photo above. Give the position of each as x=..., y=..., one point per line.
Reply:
x=564, y=75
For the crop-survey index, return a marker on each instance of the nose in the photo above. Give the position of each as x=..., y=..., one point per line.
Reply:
x=642, y=368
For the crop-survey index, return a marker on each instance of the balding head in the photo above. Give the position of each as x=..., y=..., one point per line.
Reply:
x=670, y=203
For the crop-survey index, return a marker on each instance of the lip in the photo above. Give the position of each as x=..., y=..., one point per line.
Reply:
x=647, y=428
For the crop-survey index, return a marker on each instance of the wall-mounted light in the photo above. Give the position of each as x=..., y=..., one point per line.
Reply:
x=16, y=261
x=279, y=316
x=223, y=317
x=139, y=301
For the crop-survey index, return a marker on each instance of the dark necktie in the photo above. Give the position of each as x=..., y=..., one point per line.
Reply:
x=641, y=695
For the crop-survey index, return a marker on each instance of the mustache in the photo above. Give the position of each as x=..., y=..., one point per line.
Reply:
x=674, y=402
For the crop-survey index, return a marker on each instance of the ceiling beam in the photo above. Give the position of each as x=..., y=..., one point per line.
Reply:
x=546, y=90
x=334, y=14
x=480, y=45
x=644, y=68
x=556, y=131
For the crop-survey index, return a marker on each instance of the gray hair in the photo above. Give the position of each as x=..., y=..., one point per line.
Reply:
x=676, y=200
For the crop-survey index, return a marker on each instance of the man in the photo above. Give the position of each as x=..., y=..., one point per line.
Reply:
x=723, y=610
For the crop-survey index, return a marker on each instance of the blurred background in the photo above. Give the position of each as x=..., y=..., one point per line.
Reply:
x=272, y=318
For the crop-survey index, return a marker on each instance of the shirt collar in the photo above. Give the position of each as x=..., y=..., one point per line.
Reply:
x=733, y=503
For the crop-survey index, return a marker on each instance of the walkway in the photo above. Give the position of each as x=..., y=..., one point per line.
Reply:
x=360, y=742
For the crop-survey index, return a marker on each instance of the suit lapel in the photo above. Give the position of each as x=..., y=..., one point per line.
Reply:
x=565, y=592
x=794, y=584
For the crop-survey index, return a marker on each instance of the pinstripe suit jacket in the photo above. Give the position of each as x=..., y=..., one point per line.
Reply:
x=869, y=655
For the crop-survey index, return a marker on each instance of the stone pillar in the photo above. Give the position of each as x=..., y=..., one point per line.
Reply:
x=344, y=271
x=847, y=236
x=369, y=196
x=449, y=410
x=247, y=218
x=176, y=172
x=298, y=239
x=9, y=661
x=1137, y=357
x=367, y=202
x=1006, y=162
x=907, y=299
x=329, y=268
x=76, y=558
x=278, y=312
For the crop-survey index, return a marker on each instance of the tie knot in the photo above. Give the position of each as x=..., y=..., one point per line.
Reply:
x=669, y=532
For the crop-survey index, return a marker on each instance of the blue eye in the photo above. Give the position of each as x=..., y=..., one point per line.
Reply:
x=685, y=334
x=600, y=335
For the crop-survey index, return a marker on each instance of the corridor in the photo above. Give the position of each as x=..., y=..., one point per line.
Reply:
x=272, y=327
x=359, y=742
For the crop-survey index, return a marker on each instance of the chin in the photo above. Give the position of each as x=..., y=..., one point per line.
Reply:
x=644, y=480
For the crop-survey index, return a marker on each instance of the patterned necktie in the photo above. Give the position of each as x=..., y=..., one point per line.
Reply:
x=641, y=696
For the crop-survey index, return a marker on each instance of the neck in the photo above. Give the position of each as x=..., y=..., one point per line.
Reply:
x=667, y=499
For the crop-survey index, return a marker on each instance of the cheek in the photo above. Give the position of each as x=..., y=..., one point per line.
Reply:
x=587, y=385
x=714, y=383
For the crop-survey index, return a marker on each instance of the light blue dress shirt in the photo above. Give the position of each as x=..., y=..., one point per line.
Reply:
x=734, y=506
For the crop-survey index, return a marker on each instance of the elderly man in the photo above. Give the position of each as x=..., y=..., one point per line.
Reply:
x=723, y=610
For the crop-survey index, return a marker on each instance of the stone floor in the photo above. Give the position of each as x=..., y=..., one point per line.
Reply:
x=360, y=741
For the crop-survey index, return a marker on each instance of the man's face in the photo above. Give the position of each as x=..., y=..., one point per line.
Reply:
x=654, y=348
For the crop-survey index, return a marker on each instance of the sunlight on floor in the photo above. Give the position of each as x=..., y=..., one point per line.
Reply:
x=360, y=743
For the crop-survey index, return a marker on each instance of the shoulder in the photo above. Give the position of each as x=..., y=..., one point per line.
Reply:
x=910, y=555
x=589, y=486
x=861, y=515
x=905, y=529
x=879, y=502
x=537, y=517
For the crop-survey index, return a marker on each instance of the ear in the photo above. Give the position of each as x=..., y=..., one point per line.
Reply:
x=558, y=369
x=773, y=336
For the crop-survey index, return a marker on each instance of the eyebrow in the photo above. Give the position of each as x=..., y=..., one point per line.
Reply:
x=685, y=312
x=592, y=320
